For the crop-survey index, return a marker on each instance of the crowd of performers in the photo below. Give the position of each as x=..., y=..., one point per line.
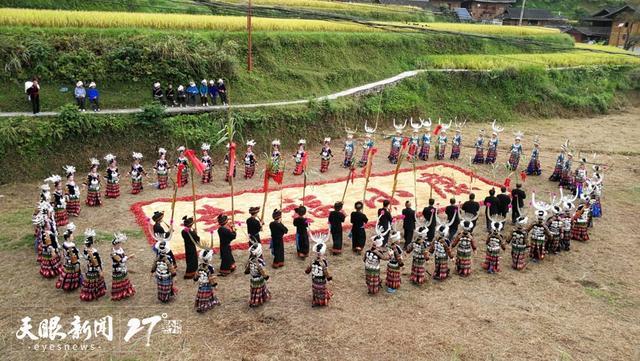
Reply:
x=446, y=234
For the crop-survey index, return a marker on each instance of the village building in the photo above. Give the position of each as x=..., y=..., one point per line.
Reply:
x=532, y=17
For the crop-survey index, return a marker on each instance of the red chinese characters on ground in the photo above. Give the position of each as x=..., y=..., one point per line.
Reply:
x=443, y=185
x=209, y=216
x=315, y=207
x=378, y=196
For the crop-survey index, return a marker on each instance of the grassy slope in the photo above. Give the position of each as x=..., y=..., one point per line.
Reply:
x=572, y=9
x=287, y=65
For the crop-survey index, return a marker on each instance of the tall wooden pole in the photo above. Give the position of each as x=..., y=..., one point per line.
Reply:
x=249, y=46
x=521, y=12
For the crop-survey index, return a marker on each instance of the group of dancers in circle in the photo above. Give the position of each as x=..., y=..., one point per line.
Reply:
x=564, y=218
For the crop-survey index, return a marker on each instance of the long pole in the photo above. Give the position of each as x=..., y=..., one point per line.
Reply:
x=521, y=12
x=265, y=190
x=193, y=191
x=249, y=29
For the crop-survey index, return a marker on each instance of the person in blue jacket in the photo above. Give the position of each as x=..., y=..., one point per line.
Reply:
x=93, y=96
x=204, y=91
x=192, y=92
x=213, y=92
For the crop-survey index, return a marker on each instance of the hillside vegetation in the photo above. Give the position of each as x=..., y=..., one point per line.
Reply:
x=572, y=9
x=270, y=8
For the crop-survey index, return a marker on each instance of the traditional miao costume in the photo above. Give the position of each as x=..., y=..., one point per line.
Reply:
x=71, y=277
x=349, y=150
x=190, y=238
x=420, y=255
x=479, y=145
x=426, y=142
x=226, y=234
x=162, y=169
x=206, y=297
x=368, y=144
x=41, y=220
x=121, y=287
x=534, y=163
x=596, y=207
x=557, y=170
x=565, y=231
x=254, y=226
x=395, y=263
x=580, y=178
x=59, y=203
x=136, y=173
x=256, y=270
x=50, y=260
x=249, y=160
x=441, y=253
x=325, y=156
x=112, y=177
x=372, y=259
x=519, y=245
x=208, y=163
x=442, y=145
x=164, y=272
x=336, y=218
x=302, y=235
x=554, y=224
x=412, y=152
x=538, y=233
x=358, y=234
x=492, y=150
x=319, y=270
x=464, y=253
x=72, y=192
x=278, y=230
x=394, y=153
x=184, y=162
x=299, y=157
x=580, y=222
x=567, y=175
x=455, y=146
x=494, y=244
x=275, y=157
x=93, y=285
x=516, y=152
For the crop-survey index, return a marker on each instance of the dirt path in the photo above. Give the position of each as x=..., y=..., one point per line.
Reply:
x=582, y=305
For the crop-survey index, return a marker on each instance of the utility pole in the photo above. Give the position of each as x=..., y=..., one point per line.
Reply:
x=249, y=28
x=521, y=12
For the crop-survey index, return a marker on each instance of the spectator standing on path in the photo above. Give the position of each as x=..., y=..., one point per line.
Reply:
x=204, y=90
x=192, y=92
x=490, y=207
x=503, y=202
x=213, y=92
x=80, y=94
x=182, y=96
x=222, y=90
x=157, y=93
x=93, y=95
x=171, y=95
x=34, y=95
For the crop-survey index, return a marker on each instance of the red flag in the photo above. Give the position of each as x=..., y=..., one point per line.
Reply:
x=265, y=185
x=507, y=182
x=278, y=176
x=438, y=129
x=523, y=176
x=179, y=175
x=372, y=151
x=197, y=164
x=405, y=141
x=232, y=159
x=304, y=161
x=352, y=174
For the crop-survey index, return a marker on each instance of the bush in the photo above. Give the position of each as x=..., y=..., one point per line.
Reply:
x=152, y=114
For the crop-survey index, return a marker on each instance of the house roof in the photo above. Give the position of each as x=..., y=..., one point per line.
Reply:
x=530, y=14
x=603, y=31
